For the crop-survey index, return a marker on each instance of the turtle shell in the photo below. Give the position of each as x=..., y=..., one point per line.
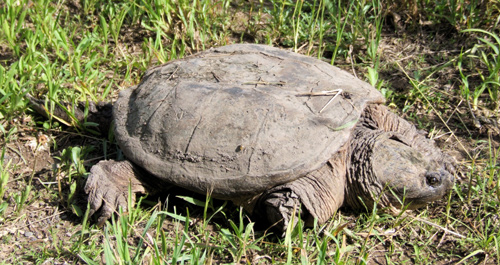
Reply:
x=237, y=120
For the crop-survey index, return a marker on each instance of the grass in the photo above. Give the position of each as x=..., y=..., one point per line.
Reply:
x=437, y=63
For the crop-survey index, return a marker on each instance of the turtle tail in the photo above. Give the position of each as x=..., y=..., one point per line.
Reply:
x=87, y=116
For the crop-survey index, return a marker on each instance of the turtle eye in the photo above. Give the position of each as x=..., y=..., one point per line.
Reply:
x=433, y=178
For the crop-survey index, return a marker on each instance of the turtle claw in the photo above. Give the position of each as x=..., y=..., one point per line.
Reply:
x=107, y=188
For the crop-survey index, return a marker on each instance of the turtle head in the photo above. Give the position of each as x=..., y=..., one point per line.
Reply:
x=407, y=174
x=394, y=173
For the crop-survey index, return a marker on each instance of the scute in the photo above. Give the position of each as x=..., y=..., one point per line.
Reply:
x=229, y=120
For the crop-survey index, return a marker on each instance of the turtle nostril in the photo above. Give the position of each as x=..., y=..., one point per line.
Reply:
x=433, y=178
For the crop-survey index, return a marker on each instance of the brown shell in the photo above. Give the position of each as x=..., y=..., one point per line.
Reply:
x=239, y=119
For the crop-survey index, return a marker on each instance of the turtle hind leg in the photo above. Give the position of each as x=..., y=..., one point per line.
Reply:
x=107, y=186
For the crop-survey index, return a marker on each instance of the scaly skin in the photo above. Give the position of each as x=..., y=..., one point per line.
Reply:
x=107, y=186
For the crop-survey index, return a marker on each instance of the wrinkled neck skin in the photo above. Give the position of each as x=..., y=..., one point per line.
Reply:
x=385, y=169
x=362, y=187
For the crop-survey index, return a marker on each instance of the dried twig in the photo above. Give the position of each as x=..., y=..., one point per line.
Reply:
x=333, y=93
x=264, y=83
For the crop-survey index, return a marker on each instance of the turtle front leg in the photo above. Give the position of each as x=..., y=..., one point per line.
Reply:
x=107, y=186
x=318, y=195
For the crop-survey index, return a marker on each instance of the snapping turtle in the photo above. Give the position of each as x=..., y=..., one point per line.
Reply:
x=269, y=130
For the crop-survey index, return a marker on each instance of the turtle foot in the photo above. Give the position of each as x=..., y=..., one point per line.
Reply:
x=107, y=187
x=282, y=209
